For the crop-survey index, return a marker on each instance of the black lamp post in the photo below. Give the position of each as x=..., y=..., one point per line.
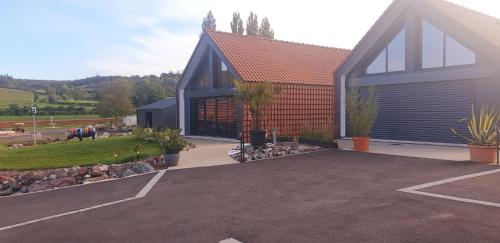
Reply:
x=242, y=146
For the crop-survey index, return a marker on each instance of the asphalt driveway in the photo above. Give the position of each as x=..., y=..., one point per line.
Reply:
x=329, y=196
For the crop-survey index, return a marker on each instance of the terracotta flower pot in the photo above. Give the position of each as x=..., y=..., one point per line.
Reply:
x=361, y=144
x=486, y=154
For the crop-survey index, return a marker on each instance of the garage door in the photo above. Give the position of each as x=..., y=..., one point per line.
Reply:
x=423, y=111
x=213, y=116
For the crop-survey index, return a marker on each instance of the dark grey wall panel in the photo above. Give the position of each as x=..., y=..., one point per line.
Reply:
x=162, y=118
x=423, y=111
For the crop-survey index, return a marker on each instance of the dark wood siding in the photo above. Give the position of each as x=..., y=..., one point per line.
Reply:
x=423, y=111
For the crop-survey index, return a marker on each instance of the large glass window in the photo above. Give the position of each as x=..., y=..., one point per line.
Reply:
x=432, y=46
x=378, y=64
x=392, y=58
x=458, y=54
x=440, y=50
x=396, y=53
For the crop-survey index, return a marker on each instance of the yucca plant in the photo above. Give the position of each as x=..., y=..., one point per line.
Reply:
x=256, y=95
x=482, y=129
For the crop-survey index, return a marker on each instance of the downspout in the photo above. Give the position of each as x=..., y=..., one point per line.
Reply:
x=182, y=112
x=342, y=106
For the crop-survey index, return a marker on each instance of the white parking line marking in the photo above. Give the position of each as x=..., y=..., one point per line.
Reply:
x=414, y=189
x=230, y=240
x=144, y=191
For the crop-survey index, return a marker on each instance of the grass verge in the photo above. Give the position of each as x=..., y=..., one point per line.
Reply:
x=67, y=154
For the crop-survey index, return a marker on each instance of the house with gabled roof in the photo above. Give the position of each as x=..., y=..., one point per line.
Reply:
x=430, y=61
x=205, y=93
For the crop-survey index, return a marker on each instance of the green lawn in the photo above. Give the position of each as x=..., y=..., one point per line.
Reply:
x=67, y=154
x=14, y=96
x=28, y=118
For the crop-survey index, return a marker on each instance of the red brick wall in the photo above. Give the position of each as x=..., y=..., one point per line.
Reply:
x=298, y=107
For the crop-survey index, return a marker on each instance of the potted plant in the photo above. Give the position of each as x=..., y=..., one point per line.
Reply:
x=482, y=135
x=362, y=109
x=171, y=143
x=256, y=95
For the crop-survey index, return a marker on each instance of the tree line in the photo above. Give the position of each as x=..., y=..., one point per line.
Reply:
x=252, y=26
x=115, y=94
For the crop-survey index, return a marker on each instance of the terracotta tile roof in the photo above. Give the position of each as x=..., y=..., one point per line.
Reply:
x=485, y=26
x=260, y=59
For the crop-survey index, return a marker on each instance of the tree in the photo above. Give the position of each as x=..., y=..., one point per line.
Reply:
x=77, y=94
x=237, y=24
x=51, y=94
x=265, y=30
x=36, y=96
x=63, y=91
x=115, y=99
x=252, y=25
x=5, y=80
x=147, y=92
x=208, y=23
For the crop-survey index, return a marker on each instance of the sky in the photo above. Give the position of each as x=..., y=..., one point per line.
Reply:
x=72, y=39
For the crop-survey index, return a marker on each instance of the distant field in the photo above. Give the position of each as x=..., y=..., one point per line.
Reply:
x=23, y=118
x=14, y=96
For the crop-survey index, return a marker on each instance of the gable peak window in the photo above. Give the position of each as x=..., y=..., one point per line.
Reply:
x=442, y=50
x=392, y=58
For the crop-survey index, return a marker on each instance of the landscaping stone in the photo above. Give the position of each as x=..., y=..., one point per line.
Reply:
x=141, y=167
x=4, y=178
x=104, y=168
x=6, y=192
x=41, y=175
x=83, y=171
x=67, y=181
x=116, y=170
x=61, y=173
x=128, y=172
x=52, y=176
x=27, y=178
x=41, y=186
x=14, y=185
x=95, y=171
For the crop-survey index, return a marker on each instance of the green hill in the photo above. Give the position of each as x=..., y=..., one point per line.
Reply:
x=14, y=96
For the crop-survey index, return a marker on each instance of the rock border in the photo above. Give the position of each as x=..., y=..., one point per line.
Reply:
x=19, y=182
x=280, y=149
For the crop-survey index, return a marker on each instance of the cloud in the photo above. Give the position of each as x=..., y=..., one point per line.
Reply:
x=155, y=53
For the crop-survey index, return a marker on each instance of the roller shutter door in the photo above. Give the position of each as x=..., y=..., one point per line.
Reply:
x=423, y=111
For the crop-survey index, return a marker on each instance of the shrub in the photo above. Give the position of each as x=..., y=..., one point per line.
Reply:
x=318, y=132
x=362, y=109
x=171, y=142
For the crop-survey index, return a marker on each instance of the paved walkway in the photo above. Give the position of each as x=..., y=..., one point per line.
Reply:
x=207, y=153
x=414, y=150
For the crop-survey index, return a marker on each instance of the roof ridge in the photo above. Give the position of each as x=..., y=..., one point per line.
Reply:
x=276, y=40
